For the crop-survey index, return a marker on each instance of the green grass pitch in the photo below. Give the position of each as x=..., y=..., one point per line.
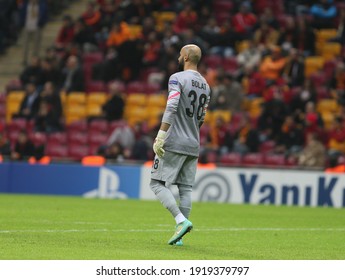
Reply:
x=69, y=228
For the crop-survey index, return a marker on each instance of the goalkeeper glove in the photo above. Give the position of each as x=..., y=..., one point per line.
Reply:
x=158, y=144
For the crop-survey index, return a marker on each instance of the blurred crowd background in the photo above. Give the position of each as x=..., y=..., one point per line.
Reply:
x=276, y=69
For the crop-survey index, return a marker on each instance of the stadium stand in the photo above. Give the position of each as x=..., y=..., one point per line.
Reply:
x=140, y=65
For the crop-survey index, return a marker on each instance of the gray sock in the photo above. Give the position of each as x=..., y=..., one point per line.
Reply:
x=165, y=196
x=185, y=192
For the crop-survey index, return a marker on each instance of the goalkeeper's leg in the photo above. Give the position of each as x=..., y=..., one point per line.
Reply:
x=167, y=199
x=185, y=192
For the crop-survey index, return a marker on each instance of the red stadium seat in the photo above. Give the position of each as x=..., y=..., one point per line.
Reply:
x=322, y=93
x=222, y=6
x=17, y=124
x=77, y=152
x=232, y=159
x=115, y=124
x=136, y=87
x=213, y=61
x=95, y=86
x=98, y=126
x=253, y=159
x=230, y=64
x=77, y=138
x=56, y=150
x=2, y=98
x=152, y=88
x=38, y=138
x=97, y=139
x=319, y=79
x=267, y=146
x=2, y=110
x=78, y=126
x=57, y=138
x=93, y=149
x=274, y=160
x=92, y=58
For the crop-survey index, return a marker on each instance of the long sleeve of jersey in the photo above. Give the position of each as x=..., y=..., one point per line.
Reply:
x=174, y=89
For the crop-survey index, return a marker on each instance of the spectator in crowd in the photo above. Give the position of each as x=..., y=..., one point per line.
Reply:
x=115, y=152
x=272, y=65
x=84, y=37
x=323, y=13
x=290, y=140
x=228, y=95
x=118, y=34
x=66, y=33
x=336, y=136
x=250, y=57
x=72, y=76
x=33, y=18
x=49, y=73
x=246, y=139
x=244, y=22
x=287, y=34
x=113, y=109
x=253, y=82
x=136, y=11
x=340, y=38
x=266, y=35
x=92, y=16
x=313, y=154
x=5, y=147
x=186, y=19
x=123, y=135
x=50, y=110
x=219, y=137
x=294, y=69
x=305, y=95
x=272, y=116
x=30, y=104
x=268, y=17
x=304, y=37
x=33, y=72
x=110, y=68
x=23, y=148
x=152, y=50
x=46, y=120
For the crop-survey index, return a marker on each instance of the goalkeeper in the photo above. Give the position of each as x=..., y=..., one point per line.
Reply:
x=177, y=143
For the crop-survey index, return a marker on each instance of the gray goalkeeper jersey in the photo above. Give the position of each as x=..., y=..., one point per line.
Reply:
x=189, y=95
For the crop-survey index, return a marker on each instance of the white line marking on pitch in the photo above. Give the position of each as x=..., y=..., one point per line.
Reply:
x=162, y=230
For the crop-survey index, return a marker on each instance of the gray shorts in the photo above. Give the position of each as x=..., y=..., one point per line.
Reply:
x=175, y=168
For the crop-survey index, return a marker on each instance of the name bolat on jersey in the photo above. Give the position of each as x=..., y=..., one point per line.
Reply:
x=198, y=85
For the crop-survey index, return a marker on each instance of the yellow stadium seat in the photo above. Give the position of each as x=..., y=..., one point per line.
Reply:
x=155, y=115
x=156, y=100
x=328, y=118
x=93, y=110
x=242, y=46
x=76, y=98
x=208, y=117
x=313, y=64
x=73, y=118
x=136, y=99
x=330, y=50
x=15, y=96
x=323, y=35
x=11, y=109
x=76, y=110
x=135, y=30
x=137, y=115
x=98, y=98
x=224, y=114
x=327, y=105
